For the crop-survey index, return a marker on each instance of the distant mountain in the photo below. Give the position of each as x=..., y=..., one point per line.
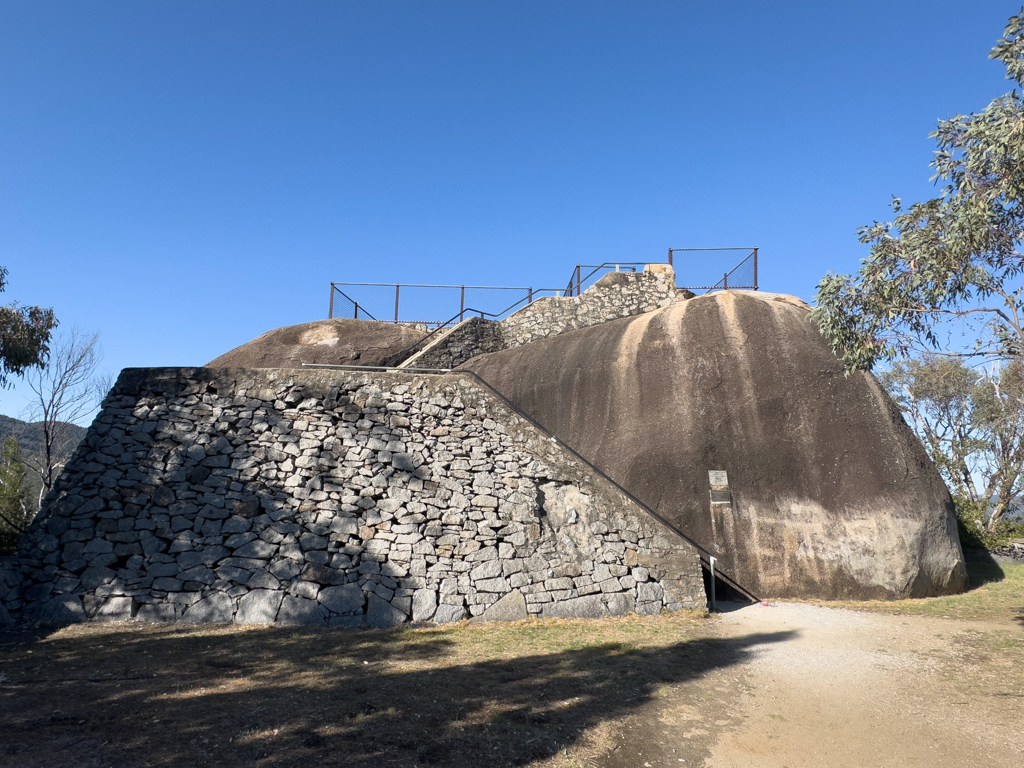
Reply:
x=30, y=434
x=30, y=444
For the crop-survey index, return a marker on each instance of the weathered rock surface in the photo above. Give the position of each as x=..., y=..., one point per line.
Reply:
x=339, y=341
x=832, y=496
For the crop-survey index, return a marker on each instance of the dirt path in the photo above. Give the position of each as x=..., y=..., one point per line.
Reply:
x=829, y=687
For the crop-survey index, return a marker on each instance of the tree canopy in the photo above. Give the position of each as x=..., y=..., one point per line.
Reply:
x=972, y=424
x=951, y=263
x=24, y=336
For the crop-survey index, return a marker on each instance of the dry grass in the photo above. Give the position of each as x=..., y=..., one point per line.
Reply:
x=996, y=594
x=540, y=693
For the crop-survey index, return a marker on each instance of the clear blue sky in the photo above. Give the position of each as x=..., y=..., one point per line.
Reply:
x=183, y=176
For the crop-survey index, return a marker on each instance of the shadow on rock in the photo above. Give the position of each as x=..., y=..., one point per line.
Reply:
x=301, y=696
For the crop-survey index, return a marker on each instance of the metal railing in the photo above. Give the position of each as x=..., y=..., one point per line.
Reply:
x=697, y=269
x=705, y=556
x=711, y=269
x=428, y=305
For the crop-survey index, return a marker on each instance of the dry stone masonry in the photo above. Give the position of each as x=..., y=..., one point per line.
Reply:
x=615, y=295
x=333, y=498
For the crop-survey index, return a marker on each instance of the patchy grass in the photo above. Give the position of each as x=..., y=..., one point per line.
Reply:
x=996, y=594
x=539, y=693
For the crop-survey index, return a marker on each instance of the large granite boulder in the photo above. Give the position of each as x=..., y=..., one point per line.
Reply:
x=340, y=341
x=832, y=495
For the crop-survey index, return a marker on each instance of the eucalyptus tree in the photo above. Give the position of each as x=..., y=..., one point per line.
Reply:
x=946, y=274
x=971, y=422
x=24, y=336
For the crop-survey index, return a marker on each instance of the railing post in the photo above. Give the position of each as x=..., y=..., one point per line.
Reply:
x=330, y=309
x=670, y=257
x=577, y=279
x=531, y=297
x=725, y=282
x=396, y=303
x=755, y=269
x=357, y=310
x=711, y=564
x=462, y=303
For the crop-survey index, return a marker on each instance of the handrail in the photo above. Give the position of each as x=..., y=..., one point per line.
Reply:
x=419, y=345
x=704, y=554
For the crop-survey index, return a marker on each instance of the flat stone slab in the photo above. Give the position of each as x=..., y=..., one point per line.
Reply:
x=218, y=608
x=259, y=607
x=590, y=607
x=297, y=611
x=382, y=614
x=446, y=614
x=512, y=607
x=114, y=609
x=345, y=599
x=64, y=609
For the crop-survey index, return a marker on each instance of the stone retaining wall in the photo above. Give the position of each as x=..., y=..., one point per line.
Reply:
x=333, y=498
x=615, y=295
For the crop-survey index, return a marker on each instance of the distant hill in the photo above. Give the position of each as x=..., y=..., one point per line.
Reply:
x=30, y=443
x=30, y=434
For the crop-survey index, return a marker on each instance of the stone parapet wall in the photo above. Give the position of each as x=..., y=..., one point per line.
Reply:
x=333, y=498
x=615, y=295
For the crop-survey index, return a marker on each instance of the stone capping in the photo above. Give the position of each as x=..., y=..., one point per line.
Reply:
x=335, y=498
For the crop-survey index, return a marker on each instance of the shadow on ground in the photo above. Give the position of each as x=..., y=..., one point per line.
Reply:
x=171, y=696
x=982, y=568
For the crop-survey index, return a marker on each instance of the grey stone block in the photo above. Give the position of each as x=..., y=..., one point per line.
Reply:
x=589, y=607
x=381, y=614
x=487, y=570
x=263, y=579
x=188, y=560
x=93, y=577
x=649, y=592
x=342, y=599
x=297, y=611
x=98, y=546
x=648, y=609
x=511, y=607
x=448, y=613
x=424, y=604
x=304, y=589
x=230, y=572
x=114, y=609
x=619, y=604
x=218, y=608
x=156, y=612
x=256, y=549
x=167, y=584
x=163, y=496
x=346, y=526
x=492, y=585
x=258, y=607
x=63, y=609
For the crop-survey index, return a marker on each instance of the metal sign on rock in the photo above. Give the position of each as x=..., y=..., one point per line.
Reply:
x=718, y=477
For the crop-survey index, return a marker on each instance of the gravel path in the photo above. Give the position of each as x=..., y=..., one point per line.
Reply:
x=830, y=687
